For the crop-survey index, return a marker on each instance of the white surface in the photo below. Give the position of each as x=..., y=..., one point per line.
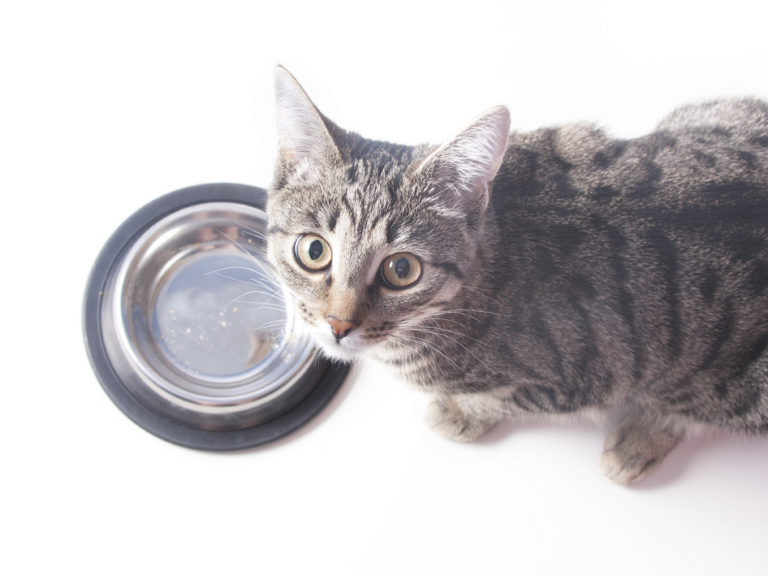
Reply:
x=104, y=107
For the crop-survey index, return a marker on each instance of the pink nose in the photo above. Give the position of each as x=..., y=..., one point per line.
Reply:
x=340, y=328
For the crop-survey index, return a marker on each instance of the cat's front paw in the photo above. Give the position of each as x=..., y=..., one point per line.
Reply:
x=446, y=418
x=636, y=447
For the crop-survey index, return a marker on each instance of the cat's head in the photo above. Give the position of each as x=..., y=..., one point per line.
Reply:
x=372, y=239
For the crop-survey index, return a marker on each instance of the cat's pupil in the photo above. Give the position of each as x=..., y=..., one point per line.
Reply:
x=402, y=268
x=315, y=249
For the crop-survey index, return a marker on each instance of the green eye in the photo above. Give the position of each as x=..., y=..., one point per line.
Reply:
x=400, y=271
x=312, y=252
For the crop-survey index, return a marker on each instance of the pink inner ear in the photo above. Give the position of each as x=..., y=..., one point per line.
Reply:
x=288, y=155
x=302, y=133
x=466, y=165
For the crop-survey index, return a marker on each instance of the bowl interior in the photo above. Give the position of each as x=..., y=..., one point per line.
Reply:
x=200, y=325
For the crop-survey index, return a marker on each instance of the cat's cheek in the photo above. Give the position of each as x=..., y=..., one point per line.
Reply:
x=449, y=288
x=305, y=322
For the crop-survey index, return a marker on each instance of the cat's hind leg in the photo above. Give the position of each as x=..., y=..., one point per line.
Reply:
x=460, y=417
x=638, y=444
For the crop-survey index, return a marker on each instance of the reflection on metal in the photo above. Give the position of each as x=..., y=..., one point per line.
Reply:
x=191, y=334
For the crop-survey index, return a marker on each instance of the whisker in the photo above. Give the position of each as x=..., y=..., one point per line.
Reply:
x=445, y=334
x=246, y=268
x=251, y=231
x=262, y=308
x=442, y=317
x=428, y=345
x=252, y=281
x=271, y=326
x=269, y=295
x=242, y=248
x=249, y=281
x=474, y=311
x=461, y=336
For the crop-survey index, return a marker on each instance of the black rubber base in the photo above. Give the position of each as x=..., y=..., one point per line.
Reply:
x=329, y=376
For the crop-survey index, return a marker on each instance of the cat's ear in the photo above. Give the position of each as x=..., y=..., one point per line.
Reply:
x=303, y=135
x=462, y=169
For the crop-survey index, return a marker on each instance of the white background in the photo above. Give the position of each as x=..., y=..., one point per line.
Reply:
x=105, y=106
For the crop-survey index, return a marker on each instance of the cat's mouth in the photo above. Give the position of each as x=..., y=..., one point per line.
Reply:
x=349, y=347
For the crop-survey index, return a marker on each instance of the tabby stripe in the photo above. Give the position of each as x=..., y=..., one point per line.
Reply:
x=549, y=393
x=312, y=217
x=752, y=354
x=679, y=399
x=668, y=260
x=362, y=223
x=376, y=220
x=747, y=400
x=349, y=209
x=392, y=230
x=736, y=202
x=449, y=268
x=748, y=391
x=529, y=371
x=541, y=330
x=618, y=245
x=589, y=351
x=392, y=192
x=709, y=284
x=510, y=357
x=386, y=205
x=525, y=400
x=722, y=333
x=332, y=220
x=362, y=208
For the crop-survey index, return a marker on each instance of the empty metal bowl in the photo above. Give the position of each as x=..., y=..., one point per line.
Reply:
x=190, y=333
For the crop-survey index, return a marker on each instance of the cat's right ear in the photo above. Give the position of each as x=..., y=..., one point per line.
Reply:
x=463, y=168
x=304, y=139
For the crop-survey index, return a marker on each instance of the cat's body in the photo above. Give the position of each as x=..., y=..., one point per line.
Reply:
x=597, y=273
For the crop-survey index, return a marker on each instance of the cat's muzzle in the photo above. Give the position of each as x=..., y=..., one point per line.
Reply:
x=341, y=328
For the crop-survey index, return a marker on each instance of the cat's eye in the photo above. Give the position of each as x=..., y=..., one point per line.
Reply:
x=312, y=252
x=400, y=271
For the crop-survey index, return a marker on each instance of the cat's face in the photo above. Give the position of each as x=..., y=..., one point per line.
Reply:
x=365, y=261
x=372, y=239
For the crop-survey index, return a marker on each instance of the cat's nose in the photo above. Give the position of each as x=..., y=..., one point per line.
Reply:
x=340, y=328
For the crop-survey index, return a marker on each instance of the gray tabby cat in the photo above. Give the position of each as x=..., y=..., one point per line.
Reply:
x=551, y=272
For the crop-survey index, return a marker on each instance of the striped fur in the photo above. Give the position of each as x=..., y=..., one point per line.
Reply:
x=570, y=272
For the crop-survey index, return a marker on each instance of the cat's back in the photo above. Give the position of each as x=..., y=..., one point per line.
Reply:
x=642, y=260
x=696, y=154
x=745, y=116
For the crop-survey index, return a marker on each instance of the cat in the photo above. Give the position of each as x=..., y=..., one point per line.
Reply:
x=558, y=271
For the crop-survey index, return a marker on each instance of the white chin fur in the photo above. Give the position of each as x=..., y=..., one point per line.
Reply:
x=347, y=349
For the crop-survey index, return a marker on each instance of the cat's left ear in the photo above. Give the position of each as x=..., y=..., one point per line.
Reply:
x=462, y=169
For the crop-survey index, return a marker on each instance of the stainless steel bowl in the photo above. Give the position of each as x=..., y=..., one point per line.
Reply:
x=190, y=333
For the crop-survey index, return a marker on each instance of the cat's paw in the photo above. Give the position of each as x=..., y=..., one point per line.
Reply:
x=637, y=446
x=447, y=419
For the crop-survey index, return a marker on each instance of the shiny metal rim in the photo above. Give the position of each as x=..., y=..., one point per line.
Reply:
x=169, y=387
